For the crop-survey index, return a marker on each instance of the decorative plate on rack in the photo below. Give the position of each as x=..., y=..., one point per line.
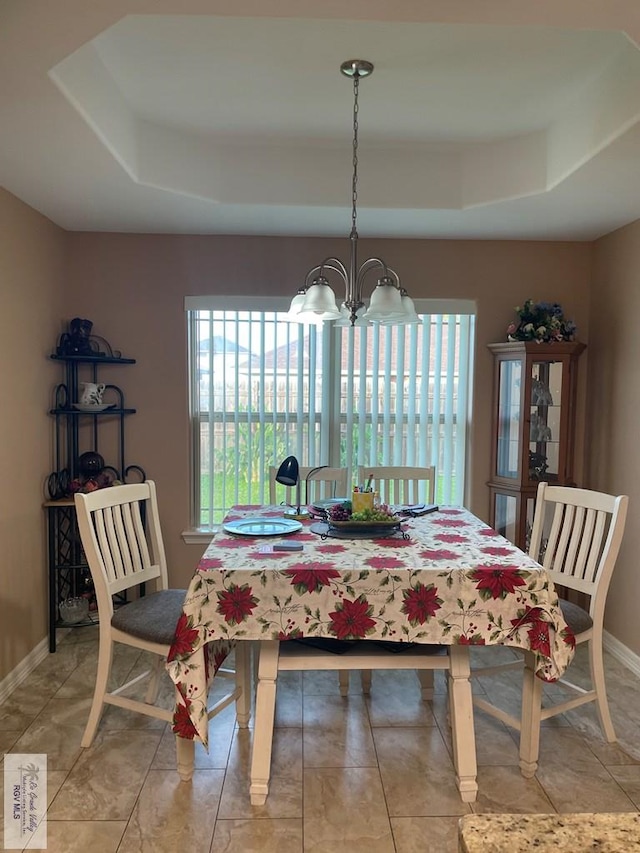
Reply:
x=90, y=407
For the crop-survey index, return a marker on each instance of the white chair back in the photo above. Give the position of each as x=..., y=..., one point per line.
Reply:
x=119, y=552
x=400, y=484
x=576, y=536
x=316, y=483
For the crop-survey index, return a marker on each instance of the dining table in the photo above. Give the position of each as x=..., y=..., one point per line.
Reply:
x=443, y=578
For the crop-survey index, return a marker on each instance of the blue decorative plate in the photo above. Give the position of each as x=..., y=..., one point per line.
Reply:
x=262, y=526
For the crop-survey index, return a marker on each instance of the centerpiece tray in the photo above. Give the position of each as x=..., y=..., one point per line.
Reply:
x=359, y=529
x=347, y=524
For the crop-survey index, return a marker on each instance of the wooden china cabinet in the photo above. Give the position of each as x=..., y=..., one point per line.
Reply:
x=534, y=416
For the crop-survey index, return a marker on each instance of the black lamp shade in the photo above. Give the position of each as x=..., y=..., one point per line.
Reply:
x=288, y=472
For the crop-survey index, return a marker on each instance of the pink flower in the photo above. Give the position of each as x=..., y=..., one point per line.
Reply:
x=232, y=543
x=439, y=554
x=385, y=563
x=450, y=537
x=185, y=638
x=311, y=577
x=236, y=603
x=351, y=620
x=420, y=603
x=210, y=563
x=497, y=551
x=496, y=581
x=393, y=543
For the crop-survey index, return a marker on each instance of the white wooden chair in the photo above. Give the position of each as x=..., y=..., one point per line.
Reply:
x=317, y=483
x=121, y=556
x=286, y=656
x=400, y=484
x=579, y=550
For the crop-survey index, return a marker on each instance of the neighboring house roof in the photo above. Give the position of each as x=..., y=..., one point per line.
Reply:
x=221, y=345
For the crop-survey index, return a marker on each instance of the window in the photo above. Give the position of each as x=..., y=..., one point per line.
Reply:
x=263, y=388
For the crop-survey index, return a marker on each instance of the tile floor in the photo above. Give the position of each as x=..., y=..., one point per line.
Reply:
x=356, y=774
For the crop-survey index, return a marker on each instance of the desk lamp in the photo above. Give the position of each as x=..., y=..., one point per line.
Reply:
x=289, y=475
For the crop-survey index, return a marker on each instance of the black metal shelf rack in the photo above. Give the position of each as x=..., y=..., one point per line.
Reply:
x=77, y=431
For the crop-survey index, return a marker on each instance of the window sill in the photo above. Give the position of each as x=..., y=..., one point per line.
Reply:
x=199, y=535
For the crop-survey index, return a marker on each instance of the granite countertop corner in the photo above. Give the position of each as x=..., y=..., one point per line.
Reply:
x=617, y=832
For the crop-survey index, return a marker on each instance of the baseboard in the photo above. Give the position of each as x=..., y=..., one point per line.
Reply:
x=24, y=669
x=621, y=653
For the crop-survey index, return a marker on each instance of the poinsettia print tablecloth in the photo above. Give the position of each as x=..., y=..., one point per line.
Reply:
x=454, y=580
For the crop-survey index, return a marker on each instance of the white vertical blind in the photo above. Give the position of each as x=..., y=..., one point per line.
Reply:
x=263, y=388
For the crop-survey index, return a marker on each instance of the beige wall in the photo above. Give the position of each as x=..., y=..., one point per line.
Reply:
x=31, y=258
x=133, y=288
x=614, y=458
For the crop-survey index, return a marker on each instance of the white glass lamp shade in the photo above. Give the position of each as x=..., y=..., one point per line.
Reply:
x=293, y=314
x=410, y=314
x=296, y=313
x=405, y=317
x=320, y=299
x=385, y=303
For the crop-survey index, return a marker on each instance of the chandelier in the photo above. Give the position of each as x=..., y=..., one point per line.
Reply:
x=315, y=301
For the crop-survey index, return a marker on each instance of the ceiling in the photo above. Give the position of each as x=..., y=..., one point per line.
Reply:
x=164, y=117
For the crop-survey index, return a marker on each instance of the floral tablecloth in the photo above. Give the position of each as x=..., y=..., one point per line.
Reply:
x=454, y=580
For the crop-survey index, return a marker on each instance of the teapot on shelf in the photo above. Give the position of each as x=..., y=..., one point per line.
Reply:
x=91, y=393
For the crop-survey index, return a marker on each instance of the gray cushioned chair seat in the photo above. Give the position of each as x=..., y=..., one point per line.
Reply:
x=575, y=617
x=153, y=617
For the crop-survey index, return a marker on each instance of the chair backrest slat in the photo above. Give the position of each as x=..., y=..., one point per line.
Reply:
x=119, y=549
x=100, y=532
x=593, y=533
x=574, y=540
x=135, y=535
x=583, y=540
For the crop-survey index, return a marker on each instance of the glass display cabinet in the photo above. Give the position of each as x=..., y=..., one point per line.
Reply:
x=534, y=407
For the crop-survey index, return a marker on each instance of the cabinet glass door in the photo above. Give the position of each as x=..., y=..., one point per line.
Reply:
x=508, y=446
x=545, y=420
x=505, y=511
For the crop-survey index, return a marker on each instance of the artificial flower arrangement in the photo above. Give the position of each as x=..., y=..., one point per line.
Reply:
x=542, y=322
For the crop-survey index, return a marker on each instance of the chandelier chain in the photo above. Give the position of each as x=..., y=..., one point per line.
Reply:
x=354, y=182
x=390, y=303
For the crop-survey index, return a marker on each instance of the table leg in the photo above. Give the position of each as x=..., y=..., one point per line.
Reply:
x=343, y=681
x=185, y=754
x=531, y=712
x=463, y=735
x=243, y=681
x=265, y=716
x=426, y=679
